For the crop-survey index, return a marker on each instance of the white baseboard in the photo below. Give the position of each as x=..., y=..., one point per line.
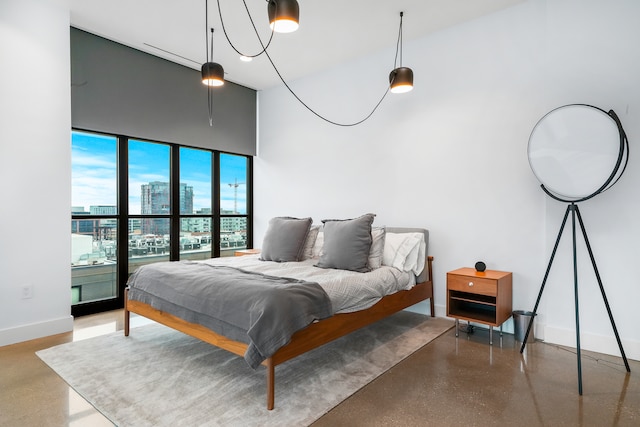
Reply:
x=35, y=330
x=604, y=344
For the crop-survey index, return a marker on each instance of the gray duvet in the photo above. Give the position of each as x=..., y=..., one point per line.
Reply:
x=263, y=311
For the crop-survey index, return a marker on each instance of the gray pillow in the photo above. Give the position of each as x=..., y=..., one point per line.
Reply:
x=284, y=239
x=347, y=244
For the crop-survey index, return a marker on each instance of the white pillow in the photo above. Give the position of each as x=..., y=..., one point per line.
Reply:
x=316, y=251
x=310, y=242
x=405, y=251
x=377, y=247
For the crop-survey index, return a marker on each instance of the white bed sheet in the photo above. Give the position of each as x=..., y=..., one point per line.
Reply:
x=349, y=291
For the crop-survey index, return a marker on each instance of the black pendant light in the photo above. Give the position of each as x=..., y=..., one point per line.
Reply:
x=212, y=72
x=401, y=78
x=284, y=15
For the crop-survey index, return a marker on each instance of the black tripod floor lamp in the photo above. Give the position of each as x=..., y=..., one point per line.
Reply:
x=576, y=152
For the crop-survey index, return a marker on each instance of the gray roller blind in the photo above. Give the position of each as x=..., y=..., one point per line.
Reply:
x=117, y=89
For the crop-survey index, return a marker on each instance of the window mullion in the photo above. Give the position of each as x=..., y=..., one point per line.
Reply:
x=215, y=220
x=174, y=215
x=123, y=215
x=249, y=202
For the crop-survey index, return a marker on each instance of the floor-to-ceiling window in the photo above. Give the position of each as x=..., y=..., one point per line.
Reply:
x=94, y=220
x=136, y=202
x=233, y=202
x=149, y=202
x=196, y=203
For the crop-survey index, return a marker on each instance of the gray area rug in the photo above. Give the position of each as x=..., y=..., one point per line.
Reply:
x=160, y=377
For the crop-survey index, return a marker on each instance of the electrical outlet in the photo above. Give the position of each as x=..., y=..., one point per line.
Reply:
x=27, y=291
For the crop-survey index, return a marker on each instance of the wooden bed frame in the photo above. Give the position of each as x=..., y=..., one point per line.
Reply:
x=309, y=338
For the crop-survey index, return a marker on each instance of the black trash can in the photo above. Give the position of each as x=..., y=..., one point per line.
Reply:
x=521, y=321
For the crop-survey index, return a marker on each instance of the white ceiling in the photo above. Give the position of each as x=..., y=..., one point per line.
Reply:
x=331, y=31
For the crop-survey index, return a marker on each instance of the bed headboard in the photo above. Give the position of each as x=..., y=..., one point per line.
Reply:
x=423, y=277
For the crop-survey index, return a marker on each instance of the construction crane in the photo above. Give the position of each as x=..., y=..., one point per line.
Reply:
x=235, y=186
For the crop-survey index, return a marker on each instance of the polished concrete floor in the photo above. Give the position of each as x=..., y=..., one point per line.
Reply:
x=450, y=382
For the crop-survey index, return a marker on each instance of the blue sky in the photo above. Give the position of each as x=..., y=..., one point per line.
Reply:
x=94, y=173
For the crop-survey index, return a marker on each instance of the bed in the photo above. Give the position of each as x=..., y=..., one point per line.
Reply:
x=318, y=254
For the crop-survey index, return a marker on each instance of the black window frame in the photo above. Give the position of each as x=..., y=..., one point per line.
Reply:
x=175, y=217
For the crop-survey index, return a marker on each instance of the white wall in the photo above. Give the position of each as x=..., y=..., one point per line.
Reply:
x=599, y=67
x=35, y=169
x=451, y=155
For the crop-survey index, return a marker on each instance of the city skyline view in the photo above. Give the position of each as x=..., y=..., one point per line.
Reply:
x=96, y=256
x=94, y=173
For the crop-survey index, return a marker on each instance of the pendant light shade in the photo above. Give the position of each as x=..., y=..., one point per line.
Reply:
x=212, y=74
x=401, y=80
x=284, y=15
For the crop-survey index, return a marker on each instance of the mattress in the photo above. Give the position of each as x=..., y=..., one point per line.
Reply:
x=348, y=291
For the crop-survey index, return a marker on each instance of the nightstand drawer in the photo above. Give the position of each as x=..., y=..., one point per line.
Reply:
x=476, y=285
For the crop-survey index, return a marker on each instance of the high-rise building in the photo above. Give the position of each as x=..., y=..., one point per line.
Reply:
x=155, y=200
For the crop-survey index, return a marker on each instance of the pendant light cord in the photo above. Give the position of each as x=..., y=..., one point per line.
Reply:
x=264, y=50
x=224, y=30
x=206, y=39
x=399, y=44
x=318, y=114
x=206, y=29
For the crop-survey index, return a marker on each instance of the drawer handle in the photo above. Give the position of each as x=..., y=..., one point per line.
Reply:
x=470, y=283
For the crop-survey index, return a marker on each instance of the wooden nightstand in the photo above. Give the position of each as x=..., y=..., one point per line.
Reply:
x=242, y=252
x=482, y=297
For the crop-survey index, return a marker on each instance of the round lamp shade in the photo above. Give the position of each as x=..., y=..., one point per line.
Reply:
x=212, y=74
x=577, y=151
x=401, y=80
x=284, y=15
